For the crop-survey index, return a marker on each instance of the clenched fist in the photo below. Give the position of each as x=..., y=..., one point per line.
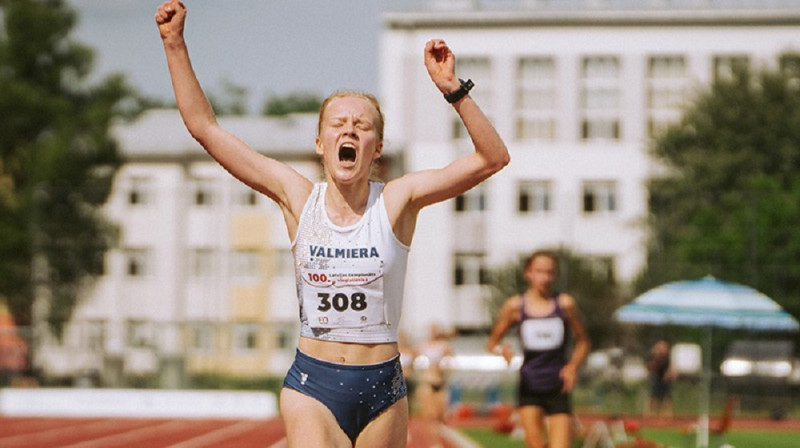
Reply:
x=170, y=18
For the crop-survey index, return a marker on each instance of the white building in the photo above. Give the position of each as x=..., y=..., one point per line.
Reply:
x=577, y=89
x=201, y=281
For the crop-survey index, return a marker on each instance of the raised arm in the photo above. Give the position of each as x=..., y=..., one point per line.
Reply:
x=490, y=154
x=268, y=176
x=419, y=189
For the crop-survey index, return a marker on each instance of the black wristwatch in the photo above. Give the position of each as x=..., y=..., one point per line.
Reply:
x=461, y=92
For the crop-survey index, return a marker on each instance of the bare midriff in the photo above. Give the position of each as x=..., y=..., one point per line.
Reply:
x=348, y=353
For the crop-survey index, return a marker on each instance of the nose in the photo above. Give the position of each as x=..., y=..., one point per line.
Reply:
x=349, y=128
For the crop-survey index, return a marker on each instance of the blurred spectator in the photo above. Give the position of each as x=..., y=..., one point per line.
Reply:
x=13, y=349
x=432, y=397
x=407, y=355
x=661, y=378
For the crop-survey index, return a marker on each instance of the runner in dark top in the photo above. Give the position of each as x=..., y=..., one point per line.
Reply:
x=547, y=376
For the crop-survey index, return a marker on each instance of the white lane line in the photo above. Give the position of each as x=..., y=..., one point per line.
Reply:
x=218, y=435
x=280, y=444
x=458, y=439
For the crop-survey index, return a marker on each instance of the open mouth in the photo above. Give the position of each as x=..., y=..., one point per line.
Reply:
x=347, y=153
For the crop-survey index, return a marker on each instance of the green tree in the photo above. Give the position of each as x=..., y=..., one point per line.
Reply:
x=294, y=102
x=231, y=101
x=56, y=159
x=591, y=282
x=729, y=202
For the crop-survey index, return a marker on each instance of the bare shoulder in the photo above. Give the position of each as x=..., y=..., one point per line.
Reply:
x=572, y=315
x=512, y=306
x=298, y=189
x=567, y=302
x=401, y=211
x=397, y=192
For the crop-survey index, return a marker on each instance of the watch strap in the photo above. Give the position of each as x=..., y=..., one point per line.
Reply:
x=461, y=92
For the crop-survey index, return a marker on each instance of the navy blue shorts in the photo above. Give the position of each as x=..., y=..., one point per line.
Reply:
x=355, y=394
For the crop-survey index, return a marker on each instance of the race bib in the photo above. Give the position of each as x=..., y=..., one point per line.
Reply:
x=542, y=334
x=349, y=297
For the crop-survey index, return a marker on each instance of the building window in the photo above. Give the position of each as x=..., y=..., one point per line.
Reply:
x=601, y=268
x=667, y=83
x=139, y=334
x=203, y=338
x=473, y=200
x=139, y=191
x=94, y=335
x=726, y=66
x=536, y=99
x=245, y=338
x=283, y=262
x=202, y=192
x=478, y=69
x=534, y=197
x=470, y=269
x=137, y=262
x=600, y=98
x=202, y=262
x=247, y=265
x=600, y=129
x=599, y=197
x=245, y=196
x=286, y=336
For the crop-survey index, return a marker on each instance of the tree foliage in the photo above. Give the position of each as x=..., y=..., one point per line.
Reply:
x=591, y=282
x=231, y=101
x=56, y=158
x=729, y=202
x=278, y=106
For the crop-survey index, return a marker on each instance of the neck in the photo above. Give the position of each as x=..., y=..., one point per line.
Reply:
x=345, y=204
x=536, y=294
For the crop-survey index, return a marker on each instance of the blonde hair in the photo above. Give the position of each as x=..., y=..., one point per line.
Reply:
x=354, y=94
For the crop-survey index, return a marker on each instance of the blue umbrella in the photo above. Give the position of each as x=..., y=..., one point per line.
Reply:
x=707, y=302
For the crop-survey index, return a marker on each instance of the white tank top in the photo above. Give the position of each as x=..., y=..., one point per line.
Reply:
x=349, y=279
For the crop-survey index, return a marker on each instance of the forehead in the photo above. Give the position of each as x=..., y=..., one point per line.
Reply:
x=350, y=106
x=543, y=262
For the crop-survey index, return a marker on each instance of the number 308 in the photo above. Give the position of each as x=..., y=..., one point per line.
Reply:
x=341, y=302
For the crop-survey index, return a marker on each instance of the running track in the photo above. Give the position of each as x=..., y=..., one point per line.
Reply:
x=35, y=432
x=51, y=432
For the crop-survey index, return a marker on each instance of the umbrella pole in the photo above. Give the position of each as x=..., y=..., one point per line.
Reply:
x=705, y=399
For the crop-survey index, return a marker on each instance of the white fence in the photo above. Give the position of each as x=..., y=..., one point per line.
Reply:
x=137, y=403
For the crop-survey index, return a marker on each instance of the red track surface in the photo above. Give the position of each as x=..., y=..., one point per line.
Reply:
x=34, y=432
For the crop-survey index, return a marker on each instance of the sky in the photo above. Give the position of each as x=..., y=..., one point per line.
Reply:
x=270, y=47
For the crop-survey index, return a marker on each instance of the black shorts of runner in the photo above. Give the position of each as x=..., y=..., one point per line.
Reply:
x=555, y=402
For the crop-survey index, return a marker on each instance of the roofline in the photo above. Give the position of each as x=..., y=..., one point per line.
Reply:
x=590, y=18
